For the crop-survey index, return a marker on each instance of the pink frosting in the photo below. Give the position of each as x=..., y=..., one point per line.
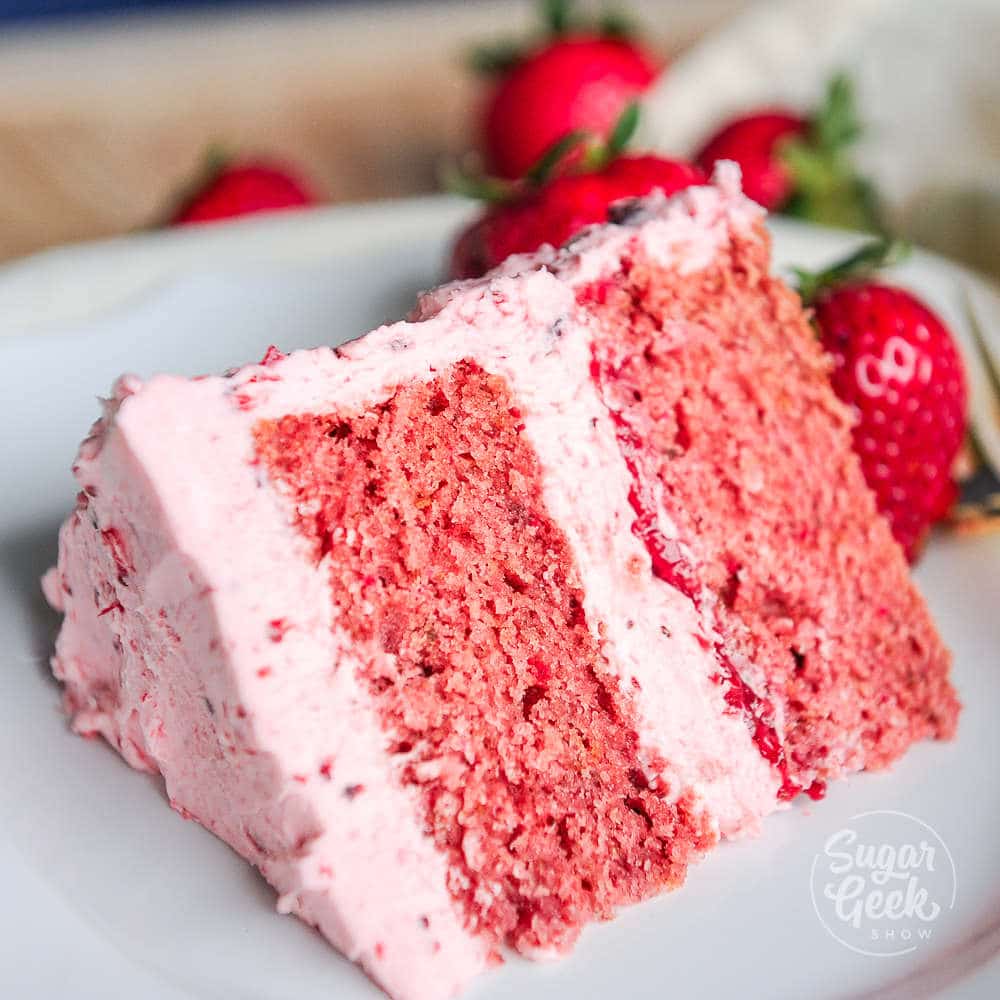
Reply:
x=258, y=740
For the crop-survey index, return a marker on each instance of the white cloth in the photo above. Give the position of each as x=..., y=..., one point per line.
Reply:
x=927, y=74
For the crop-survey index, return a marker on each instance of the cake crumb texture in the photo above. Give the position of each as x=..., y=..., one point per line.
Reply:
x=720, y=377
x=491, y=686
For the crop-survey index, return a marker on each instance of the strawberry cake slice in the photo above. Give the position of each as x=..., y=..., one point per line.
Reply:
x=479, y=627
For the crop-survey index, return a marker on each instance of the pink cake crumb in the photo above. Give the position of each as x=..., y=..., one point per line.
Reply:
x=467, y=582
x=721, y=387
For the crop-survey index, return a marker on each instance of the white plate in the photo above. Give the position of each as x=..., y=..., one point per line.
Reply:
x=111, y=894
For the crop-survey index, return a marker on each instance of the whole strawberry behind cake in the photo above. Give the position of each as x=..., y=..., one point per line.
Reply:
x=475, y=629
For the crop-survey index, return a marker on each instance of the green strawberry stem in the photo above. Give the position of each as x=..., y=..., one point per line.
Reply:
x=548, y=163
x=479, y=187
x=557, y=15
x=558, y=20
x=623, y=132
x=862, y=263
x=615, y=23
x=827, y=188
x=836, y=125
x=497, y=58
x=596, y=156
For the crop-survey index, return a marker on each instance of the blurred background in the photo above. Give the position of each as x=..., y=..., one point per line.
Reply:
x=883, y=116
x=107, y=108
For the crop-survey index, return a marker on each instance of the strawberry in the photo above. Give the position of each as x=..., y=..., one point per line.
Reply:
x=754, y=142
x=897, y=365
x=541, y=210
x=231, y=190
x=578, y=78
x=800, y=165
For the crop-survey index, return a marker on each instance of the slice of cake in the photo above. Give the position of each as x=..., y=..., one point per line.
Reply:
x=481, y=626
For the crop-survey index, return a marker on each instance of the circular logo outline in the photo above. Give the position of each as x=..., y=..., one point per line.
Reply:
x=812, y=879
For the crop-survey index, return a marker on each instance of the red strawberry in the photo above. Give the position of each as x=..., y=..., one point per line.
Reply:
x=571, y=84
x=242, y=189
x=582, y=77
x=898, y=366
x=754, y=142
x=799, y=165
x=554, y=212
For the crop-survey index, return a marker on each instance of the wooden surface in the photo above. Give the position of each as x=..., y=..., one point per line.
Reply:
x=102, y=123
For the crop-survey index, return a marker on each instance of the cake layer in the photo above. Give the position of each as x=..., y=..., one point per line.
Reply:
x=483, y=625
x=720, y=389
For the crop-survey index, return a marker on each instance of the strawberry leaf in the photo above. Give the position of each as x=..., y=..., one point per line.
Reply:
x=550, y=160
x=600, y=154
x=480, y=187
x=596, y=155
x=557, y=16
x=826, y=187
x=496, y=59
x=624, y=130
x=616, y=23
x=868, y=258
x=558, y=20
x=216, y=159
x=836, y=125
x=827, y=190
